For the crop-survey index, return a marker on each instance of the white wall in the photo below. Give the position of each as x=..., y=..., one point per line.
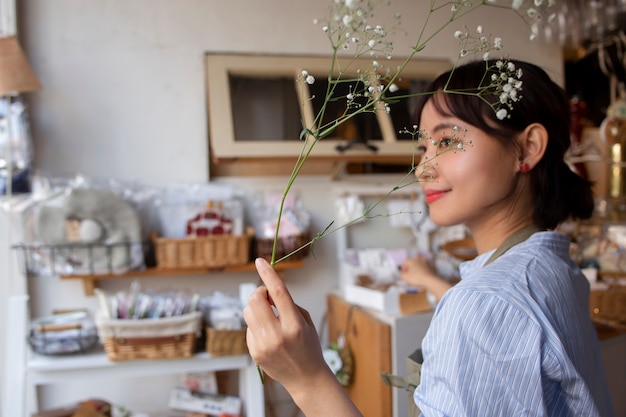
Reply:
x=123, y=97
x=124, y=84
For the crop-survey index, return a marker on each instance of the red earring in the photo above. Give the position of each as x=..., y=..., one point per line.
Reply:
x=524, y=168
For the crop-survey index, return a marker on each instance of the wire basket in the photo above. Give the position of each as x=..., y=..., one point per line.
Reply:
x=62, y=339
x=81, y=258
x=63, y=333
x=163, y=338
x=223, y=342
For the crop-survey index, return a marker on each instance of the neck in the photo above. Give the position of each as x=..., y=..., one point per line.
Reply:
x=489, y=238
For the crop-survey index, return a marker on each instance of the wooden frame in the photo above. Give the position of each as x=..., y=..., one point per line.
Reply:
x=226, y=147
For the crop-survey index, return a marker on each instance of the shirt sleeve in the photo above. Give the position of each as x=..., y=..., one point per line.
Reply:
x=482, y=357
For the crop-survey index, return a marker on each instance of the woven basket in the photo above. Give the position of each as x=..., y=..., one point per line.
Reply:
x=203, y=252
x=608, y=307
x=284, y=246
x=165, y=338
x=220, y=342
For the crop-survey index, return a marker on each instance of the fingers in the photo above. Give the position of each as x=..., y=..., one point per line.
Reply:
x=258, y=314
x=277, y=291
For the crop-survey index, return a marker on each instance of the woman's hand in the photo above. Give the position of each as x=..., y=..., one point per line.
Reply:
x=286, y=346
x=420, y=272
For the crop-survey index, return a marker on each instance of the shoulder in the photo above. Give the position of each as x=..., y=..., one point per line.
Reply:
x=538, y=267
x=543, y=254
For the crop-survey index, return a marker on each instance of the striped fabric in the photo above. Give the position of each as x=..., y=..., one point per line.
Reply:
x=514, y=338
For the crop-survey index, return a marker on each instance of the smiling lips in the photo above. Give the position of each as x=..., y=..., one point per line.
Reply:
x=434, y=195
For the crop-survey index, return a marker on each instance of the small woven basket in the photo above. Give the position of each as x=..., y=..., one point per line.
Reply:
x=221, y=342
x=284, y=246
x=608, y=307
x=203, y=252
x=164, y=338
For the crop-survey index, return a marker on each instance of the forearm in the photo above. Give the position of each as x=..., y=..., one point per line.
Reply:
x=323, y=396
x=437, y=286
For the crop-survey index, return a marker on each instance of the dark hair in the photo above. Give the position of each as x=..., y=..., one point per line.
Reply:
x=558, y=192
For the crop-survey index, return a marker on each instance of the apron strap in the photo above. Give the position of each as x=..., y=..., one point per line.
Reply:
x=513, y=240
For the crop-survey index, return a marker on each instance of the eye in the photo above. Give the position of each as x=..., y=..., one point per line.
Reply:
x=446, y=142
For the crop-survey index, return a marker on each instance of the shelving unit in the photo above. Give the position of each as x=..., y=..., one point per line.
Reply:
x=43, y=370
x=29, y=371
x=32, y=370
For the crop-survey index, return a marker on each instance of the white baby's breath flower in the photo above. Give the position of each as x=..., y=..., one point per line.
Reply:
x=348, y=27
x=476, y=43
x=517, y=4
x=532, y=13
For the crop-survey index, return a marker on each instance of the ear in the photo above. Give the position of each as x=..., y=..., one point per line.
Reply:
x=533, y=142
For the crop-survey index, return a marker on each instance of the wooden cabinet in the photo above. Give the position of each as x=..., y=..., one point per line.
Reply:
x=370, y=342
x=379, y=343
x=256, y=108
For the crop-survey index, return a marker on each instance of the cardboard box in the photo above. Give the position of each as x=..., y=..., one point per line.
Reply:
x=393, y=301
x=381, y=289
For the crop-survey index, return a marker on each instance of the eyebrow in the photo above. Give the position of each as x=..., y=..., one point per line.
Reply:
x=444, y=125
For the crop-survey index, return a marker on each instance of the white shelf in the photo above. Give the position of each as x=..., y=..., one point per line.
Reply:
x=27, y=370
x=51, y=369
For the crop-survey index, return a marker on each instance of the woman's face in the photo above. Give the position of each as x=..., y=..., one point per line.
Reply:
x=473, y=185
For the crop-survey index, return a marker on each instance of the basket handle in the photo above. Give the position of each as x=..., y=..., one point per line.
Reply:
x=58, y=327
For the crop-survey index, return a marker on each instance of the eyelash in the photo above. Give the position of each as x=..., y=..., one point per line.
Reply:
x=445, y=143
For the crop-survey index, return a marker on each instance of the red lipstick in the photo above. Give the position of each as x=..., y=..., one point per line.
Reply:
x=434, y=195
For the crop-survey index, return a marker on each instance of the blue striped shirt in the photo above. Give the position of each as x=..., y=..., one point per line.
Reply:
x=515, y=338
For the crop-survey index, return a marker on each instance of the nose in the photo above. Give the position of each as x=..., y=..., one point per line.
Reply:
x=425, y=167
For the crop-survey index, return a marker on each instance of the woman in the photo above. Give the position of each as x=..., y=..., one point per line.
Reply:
x=514, y=337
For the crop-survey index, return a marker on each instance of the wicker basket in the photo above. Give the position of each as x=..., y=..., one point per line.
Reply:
x=203, y=252
x=164, y=338
x=220, y=342
x=284, y=247
x=608, y=307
